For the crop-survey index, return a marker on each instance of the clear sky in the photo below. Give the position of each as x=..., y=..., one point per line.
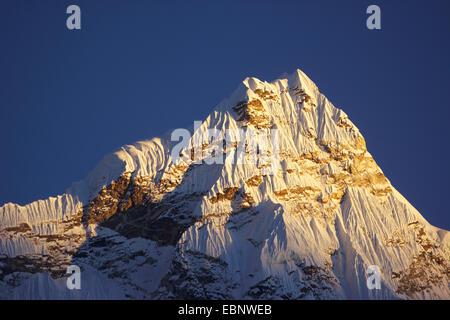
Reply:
x=138, y=68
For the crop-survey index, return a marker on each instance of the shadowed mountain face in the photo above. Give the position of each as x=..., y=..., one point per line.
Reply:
x=306, y=224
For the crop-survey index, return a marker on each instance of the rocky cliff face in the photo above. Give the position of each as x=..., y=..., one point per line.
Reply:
x=144, y=225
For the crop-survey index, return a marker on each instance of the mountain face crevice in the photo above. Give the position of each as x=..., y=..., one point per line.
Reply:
x=305, y=222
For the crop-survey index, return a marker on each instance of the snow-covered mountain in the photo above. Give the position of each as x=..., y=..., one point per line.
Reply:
x=144, y=225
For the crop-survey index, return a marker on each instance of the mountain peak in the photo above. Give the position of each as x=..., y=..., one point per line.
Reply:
x=312, y=225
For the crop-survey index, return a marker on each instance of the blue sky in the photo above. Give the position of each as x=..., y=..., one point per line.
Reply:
x=139, y=68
